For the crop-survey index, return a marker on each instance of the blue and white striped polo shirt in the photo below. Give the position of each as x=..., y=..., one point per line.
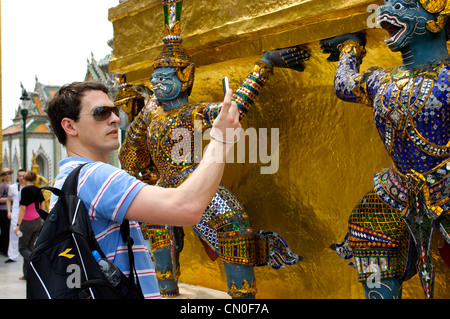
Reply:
x=107, y=192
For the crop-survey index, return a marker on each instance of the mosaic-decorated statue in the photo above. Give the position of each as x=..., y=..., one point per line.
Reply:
x=163, y=134
x=391, y=228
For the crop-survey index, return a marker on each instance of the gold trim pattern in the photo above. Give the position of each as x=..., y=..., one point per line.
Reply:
x=159, y=236
x=237, y=249
x=168, y=275
x=245, y=290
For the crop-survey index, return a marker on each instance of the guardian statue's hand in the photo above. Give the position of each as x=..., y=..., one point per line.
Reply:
x=330, y=45
x=291, y=58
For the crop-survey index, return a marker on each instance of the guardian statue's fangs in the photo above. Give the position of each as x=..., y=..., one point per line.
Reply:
x=160, y=136
x=391, y=228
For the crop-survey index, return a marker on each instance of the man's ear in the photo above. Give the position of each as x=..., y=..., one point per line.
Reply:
x=68, y=126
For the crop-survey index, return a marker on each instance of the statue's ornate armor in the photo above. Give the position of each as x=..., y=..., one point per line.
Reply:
x=225, y=226
x=165, y=141
x=391, y=227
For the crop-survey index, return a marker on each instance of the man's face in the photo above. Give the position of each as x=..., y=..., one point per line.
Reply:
x=21, y=177
x=97, y=137
x=6, y=177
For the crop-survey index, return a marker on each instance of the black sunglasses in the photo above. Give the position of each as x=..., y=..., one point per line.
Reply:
x=102, y=113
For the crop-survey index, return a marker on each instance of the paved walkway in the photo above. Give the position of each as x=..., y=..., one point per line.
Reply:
x=11, y=287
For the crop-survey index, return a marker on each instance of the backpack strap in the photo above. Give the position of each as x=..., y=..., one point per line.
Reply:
x=125, y=230
x=42, y=213
x=70, y=188
x=71, y=183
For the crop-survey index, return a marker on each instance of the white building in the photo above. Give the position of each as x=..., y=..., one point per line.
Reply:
x=40, y=139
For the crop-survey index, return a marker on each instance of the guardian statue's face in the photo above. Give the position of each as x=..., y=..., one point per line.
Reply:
x=165, y=83
x=405, y=20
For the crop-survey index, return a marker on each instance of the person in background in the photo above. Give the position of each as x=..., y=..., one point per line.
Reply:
x=12, y=205
x=29, y=221
x=4, y=214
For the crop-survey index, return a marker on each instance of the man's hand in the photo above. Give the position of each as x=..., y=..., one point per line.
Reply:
x=291, y=58
x=226, y=127
x=330, y=45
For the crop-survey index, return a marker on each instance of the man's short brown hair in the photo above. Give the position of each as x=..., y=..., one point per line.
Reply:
x=66, y=103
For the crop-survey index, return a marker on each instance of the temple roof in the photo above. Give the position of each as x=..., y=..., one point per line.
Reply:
x=99, y=71
x=37, y=121
x=33, y=126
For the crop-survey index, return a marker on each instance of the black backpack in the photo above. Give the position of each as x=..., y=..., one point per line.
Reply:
x=62, y=265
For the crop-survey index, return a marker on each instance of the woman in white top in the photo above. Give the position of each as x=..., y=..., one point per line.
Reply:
x=14, y=198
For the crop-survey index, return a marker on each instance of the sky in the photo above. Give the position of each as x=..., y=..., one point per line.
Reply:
x=51, y=40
